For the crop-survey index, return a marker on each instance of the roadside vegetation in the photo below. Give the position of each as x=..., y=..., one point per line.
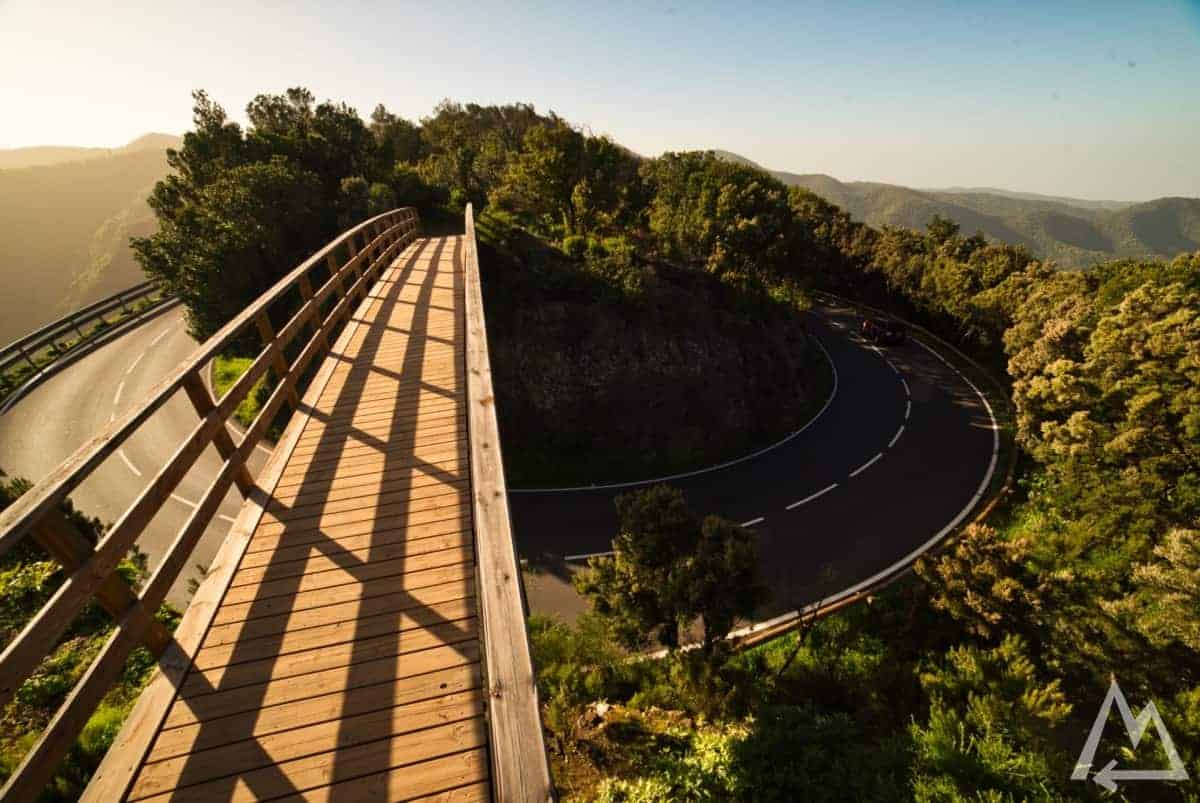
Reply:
x=28, y=578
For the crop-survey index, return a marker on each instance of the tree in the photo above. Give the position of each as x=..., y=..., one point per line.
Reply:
x=669, y=568
x=942, y=229
x=240, y=235
x=990, y=729
x=1166, y=595
x=726, y=217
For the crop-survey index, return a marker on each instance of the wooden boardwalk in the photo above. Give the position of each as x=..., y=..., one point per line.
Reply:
x=343, y=661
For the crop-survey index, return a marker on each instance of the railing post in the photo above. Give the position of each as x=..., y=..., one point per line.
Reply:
x=198, y=393
x=278, y=362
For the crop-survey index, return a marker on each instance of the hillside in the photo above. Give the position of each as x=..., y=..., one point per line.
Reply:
x=1072, y=232
x=65, y=228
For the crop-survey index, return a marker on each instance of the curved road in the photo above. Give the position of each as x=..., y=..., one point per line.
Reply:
x=49, y=424
x=898, y=456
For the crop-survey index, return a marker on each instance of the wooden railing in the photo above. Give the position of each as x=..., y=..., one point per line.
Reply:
x=520, y=771
x=313, y=300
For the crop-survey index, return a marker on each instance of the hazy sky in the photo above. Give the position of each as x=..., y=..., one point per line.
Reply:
x=1092, y=99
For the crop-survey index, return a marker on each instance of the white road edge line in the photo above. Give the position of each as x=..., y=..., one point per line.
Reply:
x=710, y=469
x=752, y=522
x=811, y=497
x=128, y=464
x=896, y=437
x=587, y=555
x=865, y=465
x=916, y=553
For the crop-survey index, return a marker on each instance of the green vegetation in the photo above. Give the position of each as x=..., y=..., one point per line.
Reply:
x=226, y=371
x=28, y=577
x=671, y=569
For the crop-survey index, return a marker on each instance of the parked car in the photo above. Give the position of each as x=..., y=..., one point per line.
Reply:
x=884, y=330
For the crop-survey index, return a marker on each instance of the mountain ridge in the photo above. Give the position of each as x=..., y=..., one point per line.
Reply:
x=1072, y=232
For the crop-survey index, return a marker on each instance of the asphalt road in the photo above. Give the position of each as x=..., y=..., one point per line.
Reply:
x=49, y=424
x=895, y=459
x=898, y=456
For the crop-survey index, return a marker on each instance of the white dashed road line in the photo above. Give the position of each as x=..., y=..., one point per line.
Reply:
x=904, y=382
x=865, y=465
x=752, y=522
x=160, y=336
x=907, y=410
x=133, y=364
x=811, y=497
x=117, y=395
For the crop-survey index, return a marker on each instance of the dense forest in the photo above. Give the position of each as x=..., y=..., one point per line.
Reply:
x=976, y=678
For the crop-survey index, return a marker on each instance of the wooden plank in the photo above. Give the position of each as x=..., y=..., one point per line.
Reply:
x=455, y=778
x=294, y=534
x=381, y=503
x=457, y=574
x=393, y=602
x=414, y=486
x=520, y=768
x=409, y=750
x=369, y=673
x=338, y=633
x=372, y=647
x=361, y=574
x=322, y=708
x=321, y=737
x=332, y=558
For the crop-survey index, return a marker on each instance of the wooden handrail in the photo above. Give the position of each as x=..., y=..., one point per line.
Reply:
x=92, y=570
x=520, y=770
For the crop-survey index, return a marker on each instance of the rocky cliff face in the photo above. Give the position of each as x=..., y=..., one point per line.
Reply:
x=616, y=376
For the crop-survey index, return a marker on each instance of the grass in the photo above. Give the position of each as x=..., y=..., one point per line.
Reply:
x=226, y=371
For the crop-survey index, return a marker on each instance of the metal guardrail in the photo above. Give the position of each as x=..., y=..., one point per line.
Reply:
x=27, y=362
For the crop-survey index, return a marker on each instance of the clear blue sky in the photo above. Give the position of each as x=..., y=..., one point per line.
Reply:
x=1092, y=99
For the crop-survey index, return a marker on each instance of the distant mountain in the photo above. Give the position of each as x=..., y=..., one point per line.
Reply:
x=40, y=156
x=1083, y=203
x=65, y=227
x=1071, y=231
